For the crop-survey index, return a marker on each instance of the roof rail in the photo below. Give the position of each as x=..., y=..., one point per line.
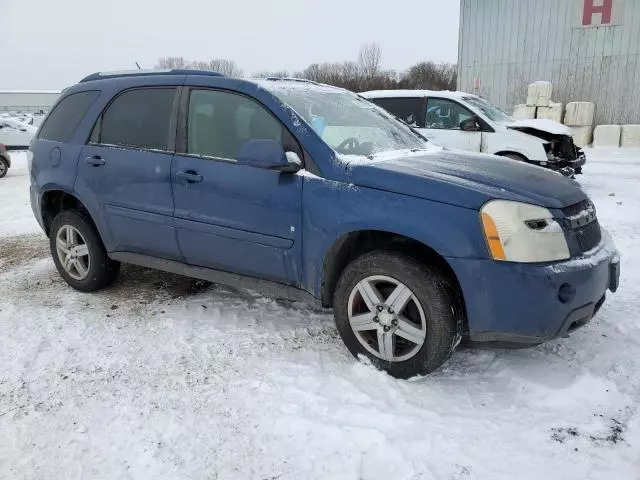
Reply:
x=146, y=73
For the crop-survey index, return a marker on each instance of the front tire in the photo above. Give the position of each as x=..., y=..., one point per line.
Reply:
x=79, y=254
x=398, y=312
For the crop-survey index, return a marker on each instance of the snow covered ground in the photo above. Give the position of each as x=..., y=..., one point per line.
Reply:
x=163, y=378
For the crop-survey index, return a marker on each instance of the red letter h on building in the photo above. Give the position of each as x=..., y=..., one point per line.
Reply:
x=590, y=9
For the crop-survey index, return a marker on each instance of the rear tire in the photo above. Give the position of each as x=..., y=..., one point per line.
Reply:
x=79, y=254
x=4, y=167
x=424, y=332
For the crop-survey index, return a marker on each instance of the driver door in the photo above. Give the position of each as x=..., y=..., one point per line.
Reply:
x=442, y=125
x=232, y=217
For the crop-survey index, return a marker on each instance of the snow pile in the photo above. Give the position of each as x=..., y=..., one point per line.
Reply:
x=163, y=378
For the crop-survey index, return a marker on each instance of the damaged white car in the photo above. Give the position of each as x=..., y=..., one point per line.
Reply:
x=467, y=122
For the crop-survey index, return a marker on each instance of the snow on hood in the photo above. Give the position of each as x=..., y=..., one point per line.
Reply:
x=467, y=180
x=542, y=124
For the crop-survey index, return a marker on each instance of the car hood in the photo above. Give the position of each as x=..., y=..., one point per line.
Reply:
x=464, y=179
x=544, y=125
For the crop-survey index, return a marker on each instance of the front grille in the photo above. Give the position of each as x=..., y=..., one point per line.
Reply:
x=576, y=208
x=589, y=236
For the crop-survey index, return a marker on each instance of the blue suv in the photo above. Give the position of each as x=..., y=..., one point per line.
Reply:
x=306, y=191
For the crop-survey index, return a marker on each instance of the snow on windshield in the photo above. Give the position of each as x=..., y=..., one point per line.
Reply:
x=348, y=123
x=491, y=111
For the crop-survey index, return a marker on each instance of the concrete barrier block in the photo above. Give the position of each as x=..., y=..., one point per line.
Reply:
x=539, y=94
x=607, y=136
x=524, y=112
x=630, y=137
x=579, y=114
x=581, y=135
x=553, y=112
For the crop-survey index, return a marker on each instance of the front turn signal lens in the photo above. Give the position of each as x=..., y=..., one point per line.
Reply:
x=492, y=237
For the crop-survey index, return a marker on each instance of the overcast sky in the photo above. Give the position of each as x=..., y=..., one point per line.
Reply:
x=50, y=44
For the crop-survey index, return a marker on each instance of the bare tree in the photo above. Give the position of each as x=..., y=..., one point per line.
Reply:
x=172, y=62
x=364, y=74
x=370, y=59
x=221, y=65
x=226, y=67
x=429, y=75
x=276, y=74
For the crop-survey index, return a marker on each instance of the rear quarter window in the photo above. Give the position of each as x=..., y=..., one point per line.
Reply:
x=66, y=116
x=138, y=118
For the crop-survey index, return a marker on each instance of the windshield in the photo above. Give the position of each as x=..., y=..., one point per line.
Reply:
x=491, y=111
x=348, y=123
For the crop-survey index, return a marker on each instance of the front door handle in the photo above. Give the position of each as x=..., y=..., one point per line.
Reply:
x=96, y=161
x=190, y=176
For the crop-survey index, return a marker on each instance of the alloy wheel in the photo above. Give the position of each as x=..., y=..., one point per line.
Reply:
x=387, y=318
x=73, y=252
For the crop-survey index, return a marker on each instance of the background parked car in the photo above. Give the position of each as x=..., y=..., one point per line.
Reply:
x=5, y=161
x=16, y=134
x=467, y=122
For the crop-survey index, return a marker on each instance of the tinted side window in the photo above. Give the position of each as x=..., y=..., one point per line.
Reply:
x=219, y=123
x=409, y=110
x=66, y=115
x=444, y=114
x=137, y=118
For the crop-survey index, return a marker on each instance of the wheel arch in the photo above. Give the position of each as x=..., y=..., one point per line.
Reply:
x=505, y=153
x=356, y=243
x=55, y=201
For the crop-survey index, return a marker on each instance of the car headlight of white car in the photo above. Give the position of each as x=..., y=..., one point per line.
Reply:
x=519, y=232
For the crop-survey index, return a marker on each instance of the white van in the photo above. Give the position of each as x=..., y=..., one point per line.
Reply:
x=467, y=122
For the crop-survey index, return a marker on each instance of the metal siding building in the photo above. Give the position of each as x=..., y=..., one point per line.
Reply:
x=589, y=53
x=27, y=100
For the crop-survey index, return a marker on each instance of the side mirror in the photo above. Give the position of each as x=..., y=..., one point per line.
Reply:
x=268, y=154
x=470, y=125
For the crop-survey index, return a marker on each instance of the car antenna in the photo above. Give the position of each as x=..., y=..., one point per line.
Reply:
x=138, y=65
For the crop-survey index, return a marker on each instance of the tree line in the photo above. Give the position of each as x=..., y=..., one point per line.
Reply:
x=364, y=73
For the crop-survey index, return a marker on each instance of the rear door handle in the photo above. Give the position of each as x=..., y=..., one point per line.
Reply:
x=96, y=161
x=189, y=176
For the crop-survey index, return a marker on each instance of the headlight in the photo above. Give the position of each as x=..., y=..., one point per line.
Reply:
x=519, y=232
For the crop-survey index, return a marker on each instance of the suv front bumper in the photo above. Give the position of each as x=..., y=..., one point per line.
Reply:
x=518, y=305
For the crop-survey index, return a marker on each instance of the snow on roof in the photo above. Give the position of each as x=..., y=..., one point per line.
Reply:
x=294, y=84
x=412, y=93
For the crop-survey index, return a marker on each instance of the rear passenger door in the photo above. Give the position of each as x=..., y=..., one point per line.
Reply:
x=232, y=217
x=126, y=168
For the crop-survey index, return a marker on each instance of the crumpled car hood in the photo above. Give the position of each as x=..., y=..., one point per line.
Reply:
x=464, y=179
x=541, y=124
